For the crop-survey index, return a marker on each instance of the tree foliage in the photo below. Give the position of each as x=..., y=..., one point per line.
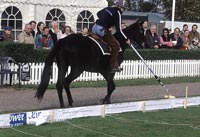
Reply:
x=186, y=10
x=146, y=6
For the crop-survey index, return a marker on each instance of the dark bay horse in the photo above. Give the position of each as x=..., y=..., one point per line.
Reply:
x=82, y=54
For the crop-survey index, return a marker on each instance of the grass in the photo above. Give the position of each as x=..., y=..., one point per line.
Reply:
x=165, y=123
x=129, y=82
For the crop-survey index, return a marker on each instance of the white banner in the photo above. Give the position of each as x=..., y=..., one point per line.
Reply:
x=5, y=120
x=62, y=114
x=159, y=104
x=194, y=101
x=123, y=107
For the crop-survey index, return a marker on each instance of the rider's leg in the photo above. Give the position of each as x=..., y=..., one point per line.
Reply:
x=115, y=46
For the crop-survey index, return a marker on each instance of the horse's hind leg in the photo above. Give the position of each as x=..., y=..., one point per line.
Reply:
x=72, y=76
x=59, y=85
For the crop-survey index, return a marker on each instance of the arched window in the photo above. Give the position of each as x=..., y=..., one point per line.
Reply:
x=55, y=15
x=12, y=17
x=85, y=19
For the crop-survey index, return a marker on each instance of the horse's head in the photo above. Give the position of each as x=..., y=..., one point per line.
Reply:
x=135, y=32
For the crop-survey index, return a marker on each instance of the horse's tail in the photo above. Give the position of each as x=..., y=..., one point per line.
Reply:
x=46, y=74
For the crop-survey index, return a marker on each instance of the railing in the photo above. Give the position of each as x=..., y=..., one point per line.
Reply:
x=131, y=70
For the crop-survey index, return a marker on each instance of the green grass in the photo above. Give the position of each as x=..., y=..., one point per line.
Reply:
x=165, y=123
x=129, y=82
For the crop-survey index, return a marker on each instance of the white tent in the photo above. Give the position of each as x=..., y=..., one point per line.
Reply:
x=75, y=13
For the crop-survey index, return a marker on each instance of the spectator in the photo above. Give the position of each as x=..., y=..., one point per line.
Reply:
x=151, y=38
x=40, y=27
x=1, y=36
x=165, y=40
x=66, y=32
x=186, y=39
x=7, y=34
x=176, y=39
x=33, y=24
x=44, y=40
x=185, y=27
x=26, y=36
x=55, y=32
x=85, y=31
x=194, y=34
x=145, y=26
x=194, y=44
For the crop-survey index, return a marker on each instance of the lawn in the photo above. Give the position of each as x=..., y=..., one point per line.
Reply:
x=165, y=123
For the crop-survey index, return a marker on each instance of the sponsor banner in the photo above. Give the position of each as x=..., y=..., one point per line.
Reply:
x=122, y=107
x=36, y=116
x=62, y=114
x=17, y=119
x=159, y=104
x=5, y=120
x=44, y=117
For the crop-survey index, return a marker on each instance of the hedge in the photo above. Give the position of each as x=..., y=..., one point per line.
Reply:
x=27, y=53
x=23, y=52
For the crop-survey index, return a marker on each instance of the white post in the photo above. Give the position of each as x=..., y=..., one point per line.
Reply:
x=103, y=111
x=173, y=14
x=186, y=97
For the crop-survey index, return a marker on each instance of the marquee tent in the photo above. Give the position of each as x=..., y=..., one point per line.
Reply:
x=75, y=13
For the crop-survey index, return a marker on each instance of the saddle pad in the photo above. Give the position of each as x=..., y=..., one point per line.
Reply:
x=105, y=49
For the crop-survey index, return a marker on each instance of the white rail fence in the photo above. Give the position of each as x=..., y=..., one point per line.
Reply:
x=131, y=70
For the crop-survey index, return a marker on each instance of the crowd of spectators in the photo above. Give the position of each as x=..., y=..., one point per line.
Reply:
x=39, y=34
x=46, y=37
x=184, y=39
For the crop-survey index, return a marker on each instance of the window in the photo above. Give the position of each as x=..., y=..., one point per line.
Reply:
x=85, y=19
x=12, y=17
x=55, y=15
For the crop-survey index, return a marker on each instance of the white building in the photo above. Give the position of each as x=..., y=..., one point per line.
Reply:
x=75, y=13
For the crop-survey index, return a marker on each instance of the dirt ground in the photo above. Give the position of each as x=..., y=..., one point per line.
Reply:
x=22, y=100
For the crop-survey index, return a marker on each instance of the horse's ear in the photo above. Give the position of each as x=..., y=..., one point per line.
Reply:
x=139, y=21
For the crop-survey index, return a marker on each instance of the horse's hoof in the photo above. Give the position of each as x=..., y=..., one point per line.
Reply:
x=101, y=101
x=63, y=106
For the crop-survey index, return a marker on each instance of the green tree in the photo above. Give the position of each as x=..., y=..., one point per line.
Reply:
x=186, y=10
x=146, y=6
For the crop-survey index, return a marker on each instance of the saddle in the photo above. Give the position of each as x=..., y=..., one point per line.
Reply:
x=96, y=37
x=105, y=49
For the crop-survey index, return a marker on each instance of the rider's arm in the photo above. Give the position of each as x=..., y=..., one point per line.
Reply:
x=118, y=25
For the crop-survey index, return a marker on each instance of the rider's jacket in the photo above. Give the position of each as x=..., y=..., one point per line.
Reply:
x=110, y=16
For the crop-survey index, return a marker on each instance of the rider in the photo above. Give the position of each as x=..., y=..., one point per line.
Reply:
x=107, y=18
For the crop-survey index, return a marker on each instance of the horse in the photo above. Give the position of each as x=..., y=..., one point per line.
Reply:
x=83, y=54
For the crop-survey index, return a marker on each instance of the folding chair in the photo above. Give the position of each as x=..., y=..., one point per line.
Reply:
x=5, y=69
